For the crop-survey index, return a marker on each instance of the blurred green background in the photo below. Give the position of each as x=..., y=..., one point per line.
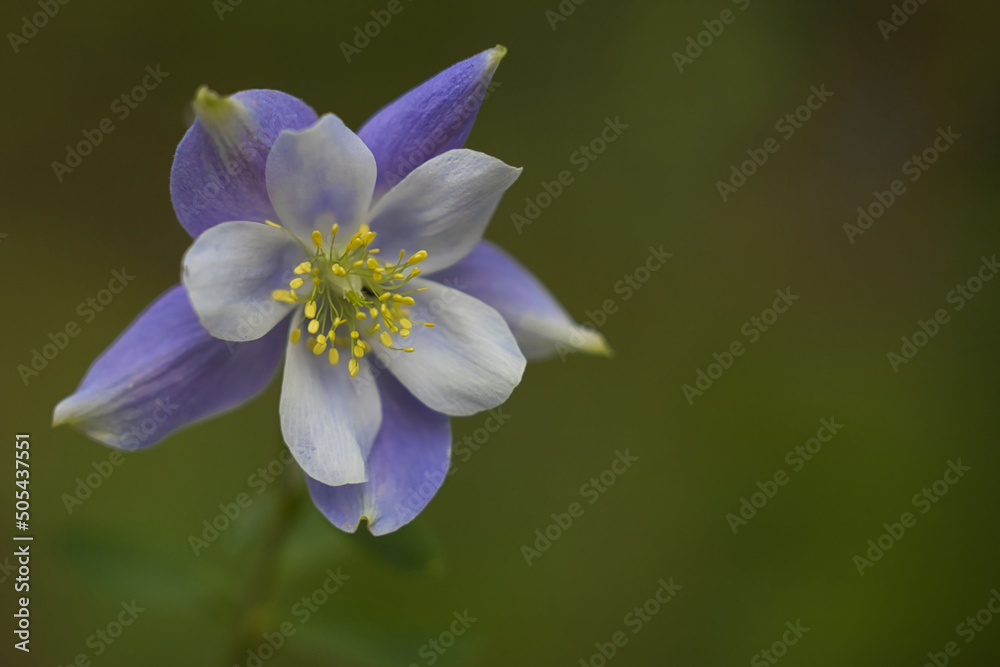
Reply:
x=655, y=185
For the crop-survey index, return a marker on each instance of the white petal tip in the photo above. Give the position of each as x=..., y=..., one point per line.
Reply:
x=594, y=343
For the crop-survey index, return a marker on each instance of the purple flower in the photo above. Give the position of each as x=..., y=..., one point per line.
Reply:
x=360, y=257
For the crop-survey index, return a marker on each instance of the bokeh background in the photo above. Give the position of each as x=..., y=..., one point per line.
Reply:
x=655, y=185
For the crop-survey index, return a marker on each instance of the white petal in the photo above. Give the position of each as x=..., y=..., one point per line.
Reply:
x=230, y=273
x=319, y=176
x=328, y=419
x=442, y=206
x=467, y=363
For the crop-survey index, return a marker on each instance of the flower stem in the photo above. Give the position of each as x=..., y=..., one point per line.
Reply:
x=263, y=571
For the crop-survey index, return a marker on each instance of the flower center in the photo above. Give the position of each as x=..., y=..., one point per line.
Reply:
x=348, y=293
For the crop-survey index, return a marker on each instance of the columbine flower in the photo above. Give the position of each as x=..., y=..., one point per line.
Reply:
x=358, y=255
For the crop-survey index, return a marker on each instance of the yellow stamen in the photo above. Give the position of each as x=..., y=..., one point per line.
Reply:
x=317, y=238
x=352, y=366
x=359, y=351
x=296, y=335
x=417, y=257
x=320, y=348
x=361, y=315
x=304, y=267
x=408, y=349
x=273, y=224
x=404, y=333
x=372, y=263
x=313, y=326
x=405, y=323
x=311, y=309
x=385, y=338
x=334, y=355
x=338, y=270
x=295, y=283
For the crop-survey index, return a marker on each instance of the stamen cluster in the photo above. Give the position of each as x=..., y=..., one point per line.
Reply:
x=348, y=295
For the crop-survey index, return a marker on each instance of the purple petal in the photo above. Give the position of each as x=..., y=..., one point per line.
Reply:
x=430, y=119
x=406, y=467
x=539, y=323
x=218, y=170
x=165, y=372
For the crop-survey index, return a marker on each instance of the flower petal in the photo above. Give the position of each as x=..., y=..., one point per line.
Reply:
x=231, y=272
x=467, y=363
x=165, y=372
x=320, y=176
x=218, y=170
x=540, y=324
x=406, y=467
x=430, y=119
x=329, y=420
x=443, y=207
